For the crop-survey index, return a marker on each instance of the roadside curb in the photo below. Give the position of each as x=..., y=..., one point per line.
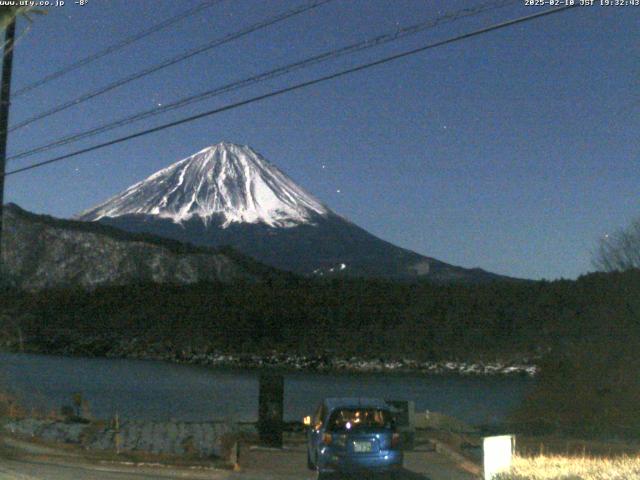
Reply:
x=33, y=448
x=34, y=452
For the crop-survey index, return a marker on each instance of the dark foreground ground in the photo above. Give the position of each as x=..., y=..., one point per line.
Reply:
x=23, y=460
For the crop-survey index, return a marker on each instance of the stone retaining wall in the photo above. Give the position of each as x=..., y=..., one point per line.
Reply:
x=199, y=439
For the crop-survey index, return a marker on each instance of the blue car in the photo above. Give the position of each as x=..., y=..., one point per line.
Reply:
x=352, y=434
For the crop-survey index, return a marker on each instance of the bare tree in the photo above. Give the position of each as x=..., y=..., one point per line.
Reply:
x=8, y=14
x=620, y=250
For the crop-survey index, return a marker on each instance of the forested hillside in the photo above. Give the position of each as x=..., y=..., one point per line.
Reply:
x=341, y=317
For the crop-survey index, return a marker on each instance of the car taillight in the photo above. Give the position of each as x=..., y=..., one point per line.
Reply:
x=326, y=439
x=395, y=440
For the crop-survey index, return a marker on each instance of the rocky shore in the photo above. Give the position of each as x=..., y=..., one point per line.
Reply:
x=135, y=349
x=323, y=363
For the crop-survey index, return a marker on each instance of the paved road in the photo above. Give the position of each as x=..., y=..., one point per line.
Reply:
x=256, y=464
x=290, y=464
x=31, y=470
x=54, y=470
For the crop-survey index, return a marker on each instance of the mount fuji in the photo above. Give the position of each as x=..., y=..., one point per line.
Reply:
x=228, y=194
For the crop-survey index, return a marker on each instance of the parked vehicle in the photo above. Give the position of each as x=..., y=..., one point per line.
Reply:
x=351, y=434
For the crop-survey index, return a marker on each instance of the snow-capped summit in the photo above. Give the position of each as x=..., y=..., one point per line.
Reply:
x=229, y=195
x=231, y=182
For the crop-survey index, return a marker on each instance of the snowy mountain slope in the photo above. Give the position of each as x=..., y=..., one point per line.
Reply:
x=227, y=181
x=229, y=195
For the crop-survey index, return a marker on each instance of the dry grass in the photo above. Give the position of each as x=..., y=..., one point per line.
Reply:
x=10, y=408
x=558, y=467
x=528, y=446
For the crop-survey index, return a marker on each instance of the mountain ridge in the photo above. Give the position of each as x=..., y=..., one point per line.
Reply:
x=43, y=252
x=229, y=194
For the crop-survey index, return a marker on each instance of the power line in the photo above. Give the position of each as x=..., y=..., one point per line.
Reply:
x=172, y=61
x=323, y=57
x=298, y=86
x=116, y=46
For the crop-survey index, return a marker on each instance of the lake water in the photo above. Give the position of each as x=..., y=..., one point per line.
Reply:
x=160, y=391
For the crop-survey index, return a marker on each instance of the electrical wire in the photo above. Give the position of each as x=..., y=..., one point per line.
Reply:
x=398, y=34
x=167, y=63
x=115, y=47
x=297, y=86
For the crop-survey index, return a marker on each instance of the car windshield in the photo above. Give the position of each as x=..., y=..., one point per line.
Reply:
x=356, y=418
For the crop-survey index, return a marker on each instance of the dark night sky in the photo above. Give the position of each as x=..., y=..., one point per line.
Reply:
x=514, y=151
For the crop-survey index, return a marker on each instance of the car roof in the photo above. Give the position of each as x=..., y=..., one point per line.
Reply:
x=345, y=402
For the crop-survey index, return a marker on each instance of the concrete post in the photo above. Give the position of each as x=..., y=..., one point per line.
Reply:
x=405, y=421
x=270, y=410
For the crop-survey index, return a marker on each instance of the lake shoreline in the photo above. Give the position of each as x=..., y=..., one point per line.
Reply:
x=324, y=364
x=286, y=362
x=157, y=389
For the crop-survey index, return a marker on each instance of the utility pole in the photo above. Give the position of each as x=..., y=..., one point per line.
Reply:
x=5, y=93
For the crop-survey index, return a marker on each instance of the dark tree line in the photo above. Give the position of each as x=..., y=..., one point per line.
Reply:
x=345, y=317
x=585, y=334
